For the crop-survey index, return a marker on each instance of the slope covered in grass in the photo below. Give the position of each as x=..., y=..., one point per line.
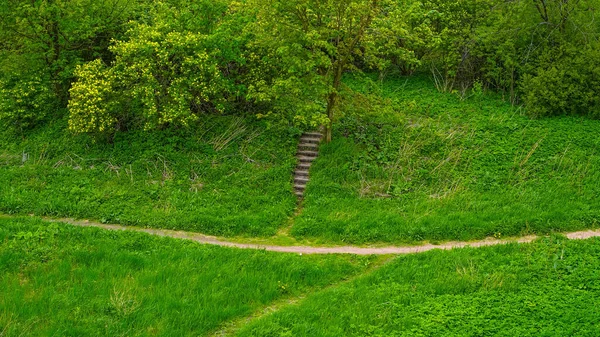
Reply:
x=418, y=165
x=428, y=166
x=226, y=176
x=59, y=280
x=548, y=288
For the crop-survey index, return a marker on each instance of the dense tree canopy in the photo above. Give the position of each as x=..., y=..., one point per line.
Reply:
x=311, y=43
x=119, y=65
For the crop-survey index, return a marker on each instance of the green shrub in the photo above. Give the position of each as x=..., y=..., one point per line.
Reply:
x=24, y=102
x=159, y=78
x=162, y=75
x=566, y=83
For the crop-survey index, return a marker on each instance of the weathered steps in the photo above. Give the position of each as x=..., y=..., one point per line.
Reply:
x=301, y=173
x=306, y=159
x=303, y=166
x=313, y=134
x=301, y=180
x=307, y=153
x=308, y=150
x=308, y=146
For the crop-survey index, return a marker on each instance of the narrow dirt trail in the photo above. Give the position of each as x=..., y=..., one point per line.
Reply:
x=233, y=326
x=393, y=250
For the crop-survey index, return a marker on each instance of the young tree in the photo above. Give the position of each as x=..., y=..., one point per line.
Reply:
x=53, y=36
x=310, y=44
x=41, y=44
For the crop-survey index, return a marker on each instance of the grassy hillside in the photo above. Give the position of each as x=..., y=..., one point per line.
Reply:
x=59, y=280
x=430, y=166
x=226, y=176
x=415, y=165
x=549, y=288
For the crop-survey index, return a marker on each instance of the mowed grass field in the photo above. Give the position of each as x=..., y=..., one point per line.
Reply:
x=548, y=288
x=425, y=165
x=60, y=280
x=225, y=176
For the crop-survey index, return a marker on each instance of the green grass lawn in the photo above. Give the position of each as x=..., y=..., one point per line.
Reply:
x=428, y=166
x=548, y=288
x=226, y=176
x=59, y=280
x=419, y=165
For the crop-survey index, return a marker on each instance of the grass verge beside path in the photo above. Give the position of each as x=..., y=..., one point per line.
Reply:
x=415, y=165
x=69, y=281
x=225, y=176
x=548, y=288
x=427, y=166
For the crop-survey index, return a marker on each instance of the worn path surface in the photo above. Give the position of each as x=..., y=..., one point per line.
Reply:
x=205, y=239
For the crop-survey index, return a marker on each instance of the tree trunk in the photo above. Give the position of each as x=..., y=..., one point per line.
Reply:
x=54, y=44
x=333, y=97
x=330, y=105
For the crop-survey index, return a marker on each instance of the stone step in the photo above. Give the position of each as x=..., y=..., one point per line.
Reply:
x=299, y=187
x=304, y=159
x=303, y=166
x=301, y=173
x=308, y=153
x=309, y=145
x=307, y=139
x=313, y=134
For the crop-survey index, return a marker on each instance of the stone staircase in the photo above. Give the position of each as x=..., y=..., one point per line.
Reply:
x=308, y=150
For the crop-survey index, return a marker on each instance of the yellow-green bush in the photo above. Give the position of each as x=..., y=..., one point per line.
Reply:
x=160, y=77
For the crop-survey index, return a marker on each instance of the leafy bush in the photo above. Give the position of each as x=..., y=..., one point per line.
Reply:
x=567, y=83
x=50, y=38
x=24, y=102
x=161, y=76
x=89, y=107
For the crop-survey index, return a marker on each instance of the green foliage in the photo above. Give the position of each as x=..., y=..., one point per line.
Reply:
x=160, y=77
x=499, y=44
x=402, y=37
x=52, y=37
x=43, y=42
x=567, y=83
x=91, y=107
x=455, y=25
x=430, y=166
x=24, y=103
x=62, y=280
x=548, y=288
x=310, y=44
x=223, y=175
x=524, y=40
x=164, y=63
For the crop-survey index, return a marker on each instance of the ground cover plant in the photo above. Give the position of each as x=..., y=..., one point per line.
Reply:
x=227, y=175
x=415, y=165
x=548, y=288
x=424, y=165
x=62, y=280
x=143, y=113
x=449, y=122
